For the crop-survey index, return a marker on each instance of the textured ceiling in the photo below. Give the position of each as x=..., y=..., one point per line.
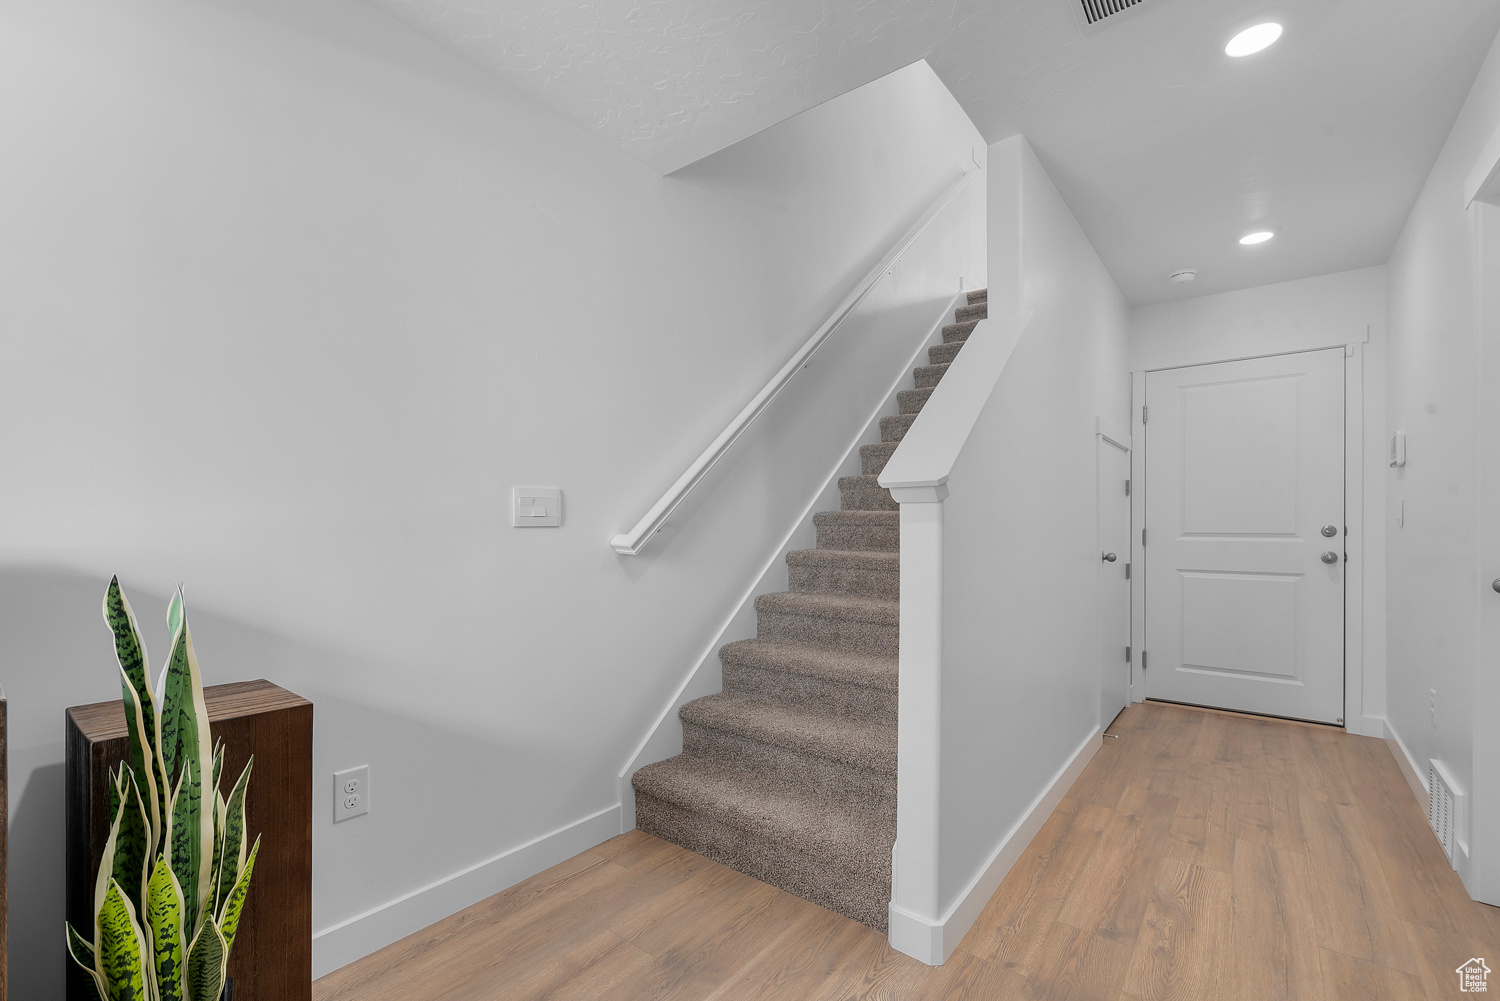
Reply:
x=1165, y=148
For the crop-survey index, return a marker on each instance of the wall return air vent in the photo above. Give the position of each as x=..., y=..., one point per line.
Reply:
x=1093, y=12
x=1445, y=808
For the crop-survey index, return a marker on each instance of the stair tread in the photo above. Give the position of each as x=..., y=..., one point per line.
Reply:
x=871, y=670
x=979, y=295
x=858, y=517
x=847, y=833
x=871, y=746
x=852, y=559
x=880, y=611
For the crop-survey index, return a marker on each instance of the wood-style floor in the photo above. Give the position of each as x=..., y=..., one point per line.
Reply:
x=1201, y=856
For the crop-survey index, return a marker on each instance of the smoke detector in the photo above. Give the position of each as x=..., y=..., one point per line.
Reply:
x=1184, y=276
x=1092, y=13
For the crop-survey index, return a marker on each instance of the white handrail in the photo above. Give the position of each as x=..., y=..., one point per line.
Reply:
x=633, y=541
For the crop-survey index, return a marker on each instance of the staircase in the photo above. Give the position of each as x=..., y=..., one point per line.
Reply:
x=789, y=774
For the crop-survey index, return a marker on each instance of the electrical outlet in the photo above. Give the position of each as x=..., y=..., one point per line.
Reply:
x=351, y=793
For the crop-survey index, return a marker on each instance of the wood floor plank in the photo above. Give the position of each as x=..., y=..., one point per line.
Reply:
x=1349, y=979
x=1356, y=915
x=1200, y=856
x=819, y=944
x=1020, y=915
x=1182, y=944
x=1276, y=956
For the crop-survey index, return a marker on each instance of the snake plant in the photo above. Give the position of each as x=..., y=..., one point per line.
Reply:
x=172, y=881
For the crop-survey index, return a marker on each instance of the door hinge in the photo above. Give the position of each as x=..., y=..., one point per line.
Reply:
x=1143, y=413
x=1143, y=538
x=1127, y=655
x=1143, y=660
x=1127, y=488
x=1127, y=571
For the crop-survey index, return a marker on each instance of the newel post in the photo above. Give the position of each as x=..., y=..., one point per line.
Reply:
x=915, y=915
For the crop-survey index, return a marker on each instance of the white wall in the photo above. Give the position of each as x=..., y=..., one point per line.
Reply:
x=291, y=298
x=1346, y=308
x=1436, y=584
x=1020, y=674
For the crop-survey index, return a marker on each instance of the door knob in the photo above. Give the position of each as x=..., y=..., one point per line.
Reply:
x=1110, y=558
x=1329, y=531
x=1496, y=584
x=1330, y=557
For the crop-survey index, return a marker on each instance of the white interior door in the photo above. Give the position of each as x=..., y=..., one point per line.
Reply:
x=1114, y=580
x=1245, y=533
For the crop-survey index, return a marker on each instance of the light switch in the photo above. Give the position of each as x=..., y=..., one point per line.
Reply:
x=537, y=507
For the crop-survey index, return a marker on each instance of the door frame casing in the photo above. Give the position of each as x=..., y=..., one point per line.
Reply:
x=1108, y=433
x=1355, y=719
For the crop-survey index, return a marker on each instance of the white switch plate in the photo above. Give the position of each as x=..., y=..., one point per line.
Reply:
x=536, y=507
x=351, y=793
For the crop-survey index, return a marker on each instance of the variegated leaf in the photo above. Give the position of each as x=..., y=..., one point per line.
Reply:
x=164, y=913
x=234, y=904
x=208, y=959
x=193, y=813
x=176, y=703
x=83, y=954
x=186, y=851
x=132, y=847
x=140, y=704
x=122, y=949
x=107, y=862
x=234, y=833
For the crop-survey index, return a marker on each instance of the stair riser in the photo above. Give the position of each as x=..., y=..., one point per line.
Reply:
x=803, y=691
x=957, y=333
x=929, y=375
x=893, y=429
x=979, y=295
x=943, y=354
x=911, y=401
x=861, y=896
x=831, y=779
x=978, y=311
x=855, y=582
x=866, y=495
x=862, y=538
x=872, y=458
x=841, y=634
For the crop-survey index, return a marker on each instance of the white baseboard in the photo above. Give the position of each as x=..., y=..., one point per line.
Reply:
x=933, y=942
x=664, y=738
x=1408, y=766
x=1367, y=726
x=356, y=937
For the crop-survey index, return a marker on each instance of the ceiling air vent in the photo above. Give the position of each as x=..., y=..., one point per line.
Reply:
x=1093, y=12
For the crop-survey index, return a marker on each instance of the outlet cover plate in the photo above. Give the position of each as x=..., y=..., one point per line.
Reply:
x=351, y=793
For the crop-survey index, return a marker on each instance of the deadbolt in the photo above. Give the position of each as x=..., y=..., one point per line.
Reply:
x=1330, y=557
x=1329, y=531
x=1109, y=557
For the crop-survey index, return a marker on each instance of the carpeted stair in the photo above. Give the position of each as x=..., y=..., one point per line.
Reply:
x=789, y=775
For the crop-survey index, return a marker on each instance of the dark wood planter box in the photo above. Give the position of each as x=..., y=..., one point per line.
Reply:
x=272, y=958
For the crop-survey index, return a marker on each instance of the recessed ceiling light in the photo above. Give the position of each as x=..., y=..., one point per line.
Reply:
x=1252, y=40
x=1260, y=236
x=1183, y=277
